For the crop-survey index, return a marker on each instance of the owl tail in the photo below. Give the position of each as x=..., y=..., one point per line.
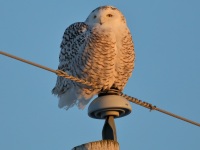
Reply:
x=67, y=99
x=75, y=96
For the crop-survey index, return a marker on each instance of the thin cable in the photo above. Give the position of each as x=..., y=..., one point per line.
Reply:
x=178, y=117
x=58, y=72
x=151, y=107
x=131, y=99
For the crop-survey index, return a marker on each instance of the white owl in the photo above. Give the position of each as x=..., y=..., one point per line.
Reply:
x=99, y=50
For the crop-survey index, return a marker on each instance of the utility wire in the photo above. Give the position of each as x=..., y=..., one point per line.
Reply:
x=151, y=107
x=131, y=99
x=58, y=72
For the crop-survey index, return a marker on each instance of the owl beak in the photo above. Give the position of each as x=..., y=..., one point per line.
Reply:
x=101, y=21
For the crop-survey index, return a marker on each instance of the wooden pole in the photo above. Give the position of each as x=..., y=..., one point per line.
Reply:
x=100, y=145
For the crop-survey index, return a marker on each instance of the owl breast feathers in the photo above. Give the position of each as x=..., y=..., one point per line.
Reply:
x=99, y=50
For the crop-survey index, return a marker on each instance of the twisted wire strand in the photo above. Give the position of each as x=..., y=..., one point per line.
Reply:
x=139, y=102
x=65, y=75
x=58, y=72
x=152, y=107
x=129, y=98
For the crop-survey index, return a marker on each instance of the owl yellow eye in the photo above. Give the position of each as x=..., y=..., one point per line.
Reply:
x=109, y=15
x=94, y=16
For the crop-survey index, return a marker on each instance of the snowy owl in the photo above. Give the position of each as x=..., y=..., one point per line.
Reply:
x=99, y=50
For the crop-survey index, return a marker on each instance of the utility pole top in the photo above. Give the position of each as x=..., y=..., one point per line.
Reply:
x=101, y=145
x=107, y=107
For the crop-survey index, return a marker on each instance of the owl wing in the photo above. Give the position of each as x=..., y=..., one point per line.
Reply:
x=72, y=46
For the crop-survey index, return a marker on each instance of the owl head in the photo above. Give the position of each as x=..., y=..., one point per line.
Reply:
x=106, y=15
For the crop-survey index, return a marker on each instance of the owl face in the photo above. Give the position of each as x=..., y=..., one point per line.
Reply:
x=106, y=15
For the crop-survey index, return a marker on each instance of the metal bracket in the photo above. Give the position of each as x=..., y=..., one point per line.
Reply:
x=109, y=129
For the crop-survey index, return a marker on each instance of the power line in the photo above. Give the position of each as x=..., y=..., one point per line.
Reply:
x=131, y=99
x=58, y=72
x=151, y=107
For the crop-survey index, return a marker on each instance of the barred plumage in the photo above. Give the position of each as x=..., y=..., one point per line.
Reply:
x=99, y=50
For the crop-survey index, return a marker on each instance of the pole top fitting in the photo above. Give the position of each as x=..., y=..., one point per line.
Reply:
x=109, y=105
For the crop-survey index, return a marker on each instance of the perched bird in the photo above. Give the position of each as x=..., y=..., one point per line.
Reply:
x=99, y=50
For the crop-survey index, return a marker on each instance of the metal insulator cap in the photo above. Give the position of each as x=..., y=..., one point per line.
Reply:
x=109, y=105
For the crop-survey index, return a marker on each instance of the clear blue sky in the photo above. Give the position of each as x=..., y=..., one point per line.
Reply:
x=167, y=74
